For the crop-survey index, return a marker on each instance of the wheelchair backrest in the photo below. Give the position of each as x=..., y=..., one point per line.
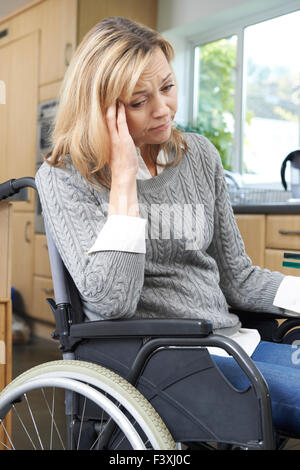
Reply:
x=65, y=290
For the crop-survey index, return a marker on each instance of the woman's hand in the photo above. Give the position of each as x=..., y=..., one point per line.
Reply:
x=123, y=158
x=123, y=164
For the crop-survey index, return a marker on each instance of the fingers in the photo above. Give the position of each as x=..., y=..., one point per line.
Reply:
x=111, y=119
x=121, y=121
x=116, y=120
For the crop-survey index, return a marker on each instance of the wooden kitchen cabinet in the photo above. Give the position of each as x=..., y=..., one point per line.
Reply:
x=63, y=23
x=21, y=107
x=19, y=114
x=5, y=304
x=41, y=256
x=268, y=236
x=5, y=249
x=4, y=76
x=55, y=21
x=34, y=56
x=42, y=289
x=253, y=231
x=274, y=259
x=91, y=12
x=22, y=255
x=58, y=38
x=283, y=231
x=42, y=283
x=18, y=148
x=5, y=359
x=282, y=235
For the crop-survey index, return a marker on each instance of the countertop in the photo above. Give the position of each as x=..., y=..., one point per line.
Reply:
x=250, y=200
x=267, y=208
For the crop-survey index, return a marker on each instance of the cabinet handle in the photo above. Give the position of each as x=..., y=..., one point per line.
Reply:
x=68, y=53
x=289, y=232
x=26, y=228
x=48, y=291
x=3, y=33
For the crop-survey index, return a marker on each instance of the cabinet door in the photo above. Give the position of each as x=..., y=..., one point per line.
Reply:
x=42, y=289
x=274, y=259
x=22, y=257
x=41, y=256
x=5, y=361
x=253, y=228
x=19, y=65
x=283, y=231
x=5, y=249
x=90, y=12
x=4, y=77
x=58, y=23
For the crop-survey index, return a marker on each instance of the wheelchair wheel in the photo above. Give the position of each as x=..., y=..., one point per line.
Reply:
x=50, y=409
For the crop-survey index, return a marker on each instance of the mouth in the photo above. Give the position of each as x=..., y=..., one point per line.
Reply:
x=162, y=127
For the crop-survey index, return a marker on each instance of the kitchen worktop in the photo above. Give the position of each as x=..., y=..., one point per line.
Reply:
x=267, y=208
x=247, y=200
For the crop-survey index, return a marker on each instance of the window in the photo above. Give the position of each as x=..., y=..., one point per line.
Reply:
x=214, y=100
x=251, y=113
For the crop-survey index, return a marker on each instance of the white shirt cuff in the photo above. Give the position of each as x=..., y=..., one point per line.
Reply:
x=288, y=295
x=121, y=233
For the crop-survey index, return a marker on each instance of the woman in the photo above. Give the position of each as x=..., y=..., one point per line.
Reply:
x=140, y=212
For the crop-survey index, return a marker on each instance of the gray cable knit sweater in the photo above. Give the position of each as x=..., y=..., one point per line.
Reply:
x=195, y=263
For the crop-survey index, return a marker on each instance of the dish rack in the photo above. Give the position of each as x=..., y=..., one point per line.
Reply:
x=251, y=196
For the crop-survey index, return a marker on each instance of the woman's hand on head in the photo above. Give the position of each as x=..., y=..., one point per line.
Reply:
x=123, y=156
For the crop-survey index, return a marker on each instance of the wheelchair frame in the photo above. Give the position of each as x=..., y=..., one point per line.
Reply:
x=157, y=334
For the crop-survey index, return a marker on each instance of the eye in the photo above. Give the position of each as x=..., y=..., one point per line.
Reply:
x=168, y=87
x=138, y=105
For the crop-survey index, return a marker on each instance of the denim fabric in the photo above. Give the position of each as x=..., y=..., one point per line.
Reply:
x=280, y=366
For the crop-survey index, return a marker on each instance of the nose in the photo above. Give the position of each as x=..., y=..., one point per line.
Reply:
x=160, y=107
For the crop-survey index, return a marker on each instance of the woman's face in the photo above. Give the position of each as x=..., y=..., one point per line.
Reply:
x=153, y=104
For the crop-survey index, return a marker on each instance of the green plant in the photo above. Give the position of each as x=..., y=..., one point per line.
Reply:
x=216, y=96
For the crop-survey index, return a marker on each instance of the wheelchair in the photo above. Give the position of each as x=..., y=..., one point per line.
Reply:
x=107, y=409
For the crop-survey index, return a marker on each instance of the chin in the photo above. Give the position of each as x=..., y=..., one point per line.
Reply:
x=159, y=139
x=165, y=138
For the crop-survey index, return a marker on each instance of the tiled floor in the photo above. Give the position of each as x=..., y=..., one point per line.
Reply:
x=41, y=350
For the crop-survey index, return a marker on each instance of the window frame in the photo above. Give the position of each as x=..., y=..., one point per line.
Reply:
x=215, y=34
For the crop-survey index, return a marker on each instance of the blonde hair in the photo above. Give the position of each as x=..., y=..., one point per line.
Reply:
x=106, y=65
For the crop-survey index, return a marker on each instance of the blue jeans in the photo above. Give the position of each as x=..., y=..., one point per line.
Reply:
x=280, y=366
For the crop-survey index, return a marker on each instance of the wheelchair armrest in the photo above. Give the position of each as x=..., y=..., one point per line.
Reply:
x=285, y=330
x=258, y=316
x=141, y=328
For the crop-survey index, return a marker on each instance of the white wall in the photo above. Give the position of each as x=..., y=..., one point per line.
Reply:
x=191, y=16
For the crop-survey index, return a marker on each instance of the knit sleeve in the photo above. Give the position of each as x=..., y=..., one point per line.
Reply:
x=245, y=286
x=109, y=282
